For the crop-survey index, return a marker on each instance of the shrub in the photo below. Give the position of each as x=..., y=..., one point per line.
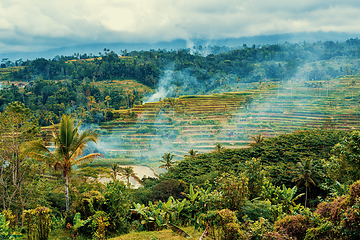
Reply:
x=117, y=205
x=37, y=223
x=100, y=220
x=234, y=190
x=10, y=217
x=5, y=231
x=229, y=225
x=292, y=226
x=355, y=190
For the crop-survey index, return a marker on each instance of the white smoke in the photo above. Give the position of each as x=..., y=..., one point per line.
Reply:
x=165, y=87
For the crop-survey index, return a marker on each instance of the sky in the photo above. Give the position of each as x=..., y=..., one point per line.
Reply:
x=38, y=25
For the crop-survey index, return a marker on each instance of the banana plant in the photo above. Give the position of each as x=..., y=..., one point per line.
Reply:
x=78, y=223
x=153, y=217
x=192, y=194
x=288, y=197
x=158, y=217
x=173, y=209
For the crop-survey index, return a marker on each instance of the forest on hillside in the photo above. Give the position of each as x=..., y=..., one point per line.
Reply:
x=85, y=84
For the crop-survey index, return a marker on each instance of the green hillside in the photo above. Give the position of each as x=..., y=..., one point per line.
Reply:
x=144, y=133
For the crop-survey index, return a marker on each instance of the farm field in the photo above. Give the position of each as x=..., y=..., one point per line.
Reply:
x=144, y=133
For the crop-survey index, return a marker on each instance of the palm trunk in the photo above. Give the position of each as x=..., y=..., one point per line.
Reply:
x=67, y=191
x=306, y=195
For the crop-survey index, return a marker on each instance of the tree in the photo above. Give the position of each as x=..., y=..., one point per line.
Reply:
x=129, y=172
x=128, y=93
x=347, y=157
x=16, y=129
x=91, y=102
x=107, y=100
x=258, y=139
x=218, y=147
x=167, y=161
x=69, y=145
x=255, y=171
x=305, y=173
x=115, y=169
x=192, y=153
x=234, y=190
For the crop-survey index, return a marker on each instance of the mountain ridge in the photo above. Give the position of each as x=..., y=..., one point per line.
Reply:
x=95, y=48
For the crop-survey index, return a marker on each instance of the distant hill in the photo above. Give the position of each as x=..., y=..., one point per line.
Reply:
x=182, y=43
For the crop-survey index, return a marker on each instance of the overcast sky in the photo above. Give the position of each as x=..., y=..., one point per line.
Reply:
x=34, y=25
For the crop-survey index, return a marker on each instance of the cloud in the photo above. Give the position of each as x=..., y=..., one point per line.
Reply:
x=23, y=23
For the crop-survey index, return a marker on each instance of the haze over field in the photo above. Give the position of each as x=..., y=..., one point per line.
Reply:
x=39, y=25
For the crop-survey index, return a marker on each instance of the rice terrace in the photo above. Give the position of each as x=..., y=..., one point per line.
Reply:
x=177, y=125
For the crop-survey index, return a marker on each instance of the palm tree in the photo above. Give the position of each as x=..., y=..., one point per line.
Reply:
x=218, y=147
x=129, y=172
x=258, y=139
x=305, y=173
x=107, y=100
x=91, y=101
x=115, y=169
x=192, y=153
x=69, y=145
x=167, y=161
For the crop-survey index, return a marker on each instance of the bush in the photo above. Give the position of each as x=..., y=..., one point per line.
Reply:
x=37, y=222
x=5, y=230
x=228, y=222
x=234, y=190
x=292, y=226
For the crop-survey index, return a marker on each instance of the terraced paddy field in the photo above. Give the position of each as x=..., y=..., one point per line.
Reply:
x=5, y=72
x=144, y=133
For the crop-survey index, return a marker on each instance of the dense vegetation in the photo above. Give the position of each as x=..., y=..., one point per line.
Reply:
x=299, y=185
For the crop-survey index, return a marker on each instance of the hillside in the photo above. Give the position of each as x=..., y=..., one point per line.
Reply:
x=144, y=133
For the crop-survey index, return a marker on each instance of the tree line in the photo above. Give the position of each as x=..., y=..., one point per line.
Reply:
x=67, y=83
x=278, y=61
